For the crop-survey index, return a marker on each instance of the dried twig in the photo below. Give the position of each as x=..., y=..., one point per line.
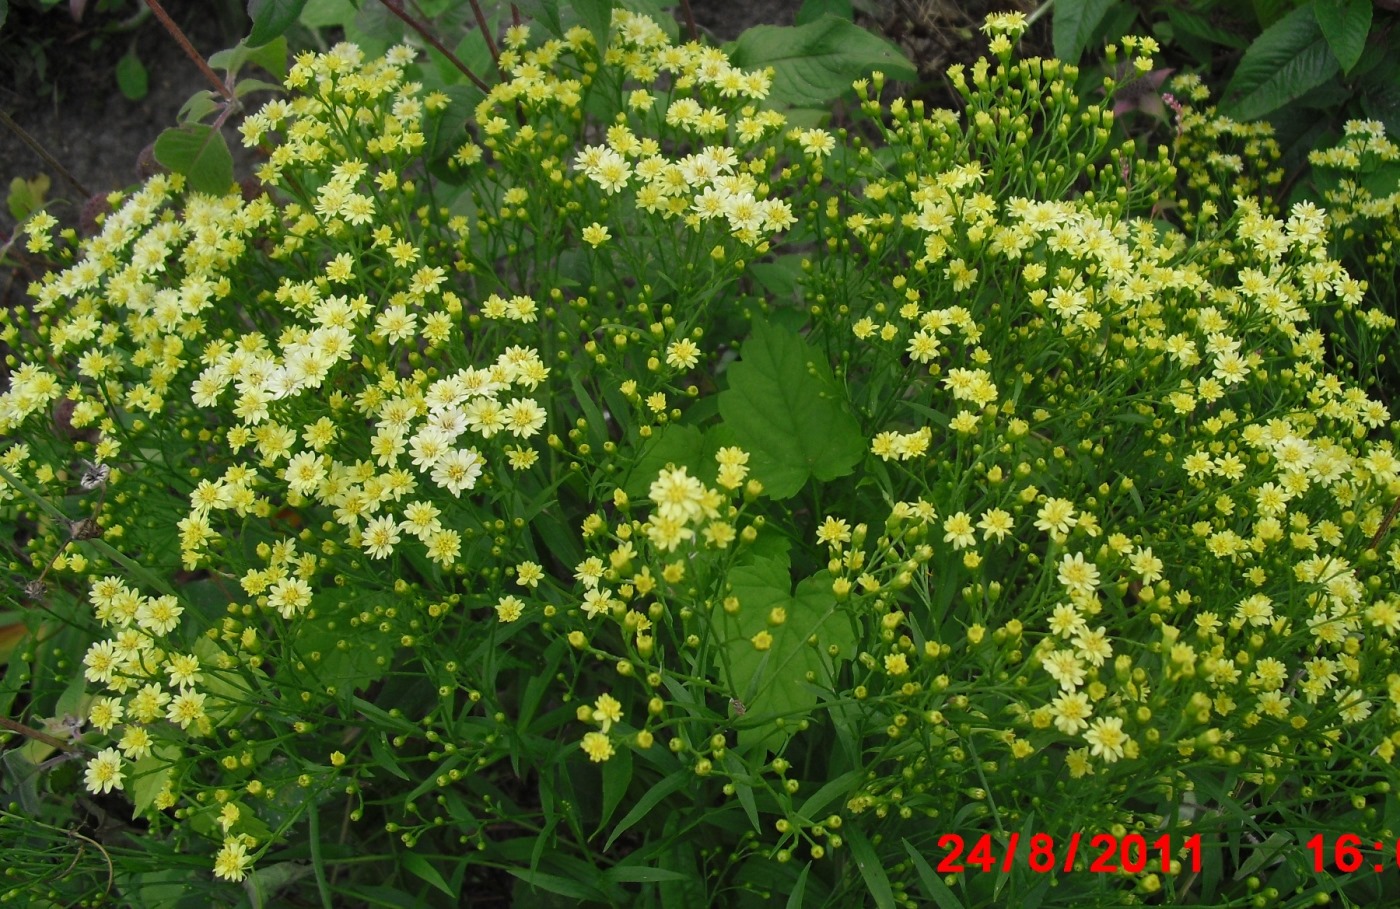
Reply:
x=42, y=152
x=396, y=7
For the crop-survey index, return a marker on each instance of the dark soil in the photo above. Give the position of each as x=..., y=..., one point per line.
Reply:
x=74, y=108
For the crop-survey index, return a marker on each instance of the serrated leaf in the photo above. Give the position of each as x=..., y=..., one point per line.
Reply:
x=545, y=12
x=815, y=63
x=271, y=19
x=132, y=78
x=1288, y=60
x=200, y=153
x=1073, y=26
x=596, y=16
x=772, y=682
x=677, y=444
x=148, y=776
x=1200, y=26
x=1345, y=24
x=786, y=410
x=446, y=130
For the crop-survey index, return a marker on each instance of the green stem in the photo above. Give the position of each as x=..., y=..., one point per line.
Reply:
x=318, y=865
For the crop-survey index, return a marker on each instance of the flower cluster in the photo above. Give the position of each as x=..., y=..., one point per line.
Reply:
x=1012, y=472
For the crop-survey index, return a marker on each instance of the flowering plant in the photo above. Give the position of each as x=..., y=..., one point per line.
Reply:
x=643, y=497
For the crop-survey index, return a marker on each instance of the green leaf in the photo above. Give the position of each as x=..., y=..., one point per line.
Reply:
x=1074, y=25
x=198, y=106
x=383, y=757
x=647, y=802
x=271, y=19
x=553, y=883
x=637, y=874
x=799, y=889
x=617, y=776
x=870, y=868
x=545, y=12
x=271, y=56
x=812, y=10
x=131, y=76
x=1200, y=26
x=933, y=884
x=148, y=776
x=1288, y=60
x=420, y=868
x=787, y=411
x=27, y=196
x=1345, y=24
x=815, y=63
x=327, y=13
x=677, y=444
x=248, y=86
x=772, y=683
x=200, y=153
x=596, y=16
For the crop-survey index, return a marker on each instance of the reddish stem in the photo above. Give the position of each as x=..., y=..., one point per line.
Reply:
x=690, y=20
x=36, y=735
x=190, y=52
x=486, y=33
x=396, y=7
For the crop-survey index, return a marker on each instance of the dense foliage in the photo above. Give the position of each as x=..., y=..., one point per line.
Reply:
x=660, y=498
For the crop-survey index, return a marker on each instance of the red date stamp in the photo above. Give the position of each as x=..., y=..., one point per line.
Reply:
x=1103, y=853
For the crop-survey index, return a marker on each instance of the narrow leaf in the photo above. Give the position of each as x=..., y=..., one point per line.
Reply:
x=637, y=874
x=1345, y=24
x=1075, y=22
x=870, y=868
x=647, y=802
x=553, y=883
x=933, y=884
x=419, y=867
x=799, y=889
x=1288, y=60
x=617, y=777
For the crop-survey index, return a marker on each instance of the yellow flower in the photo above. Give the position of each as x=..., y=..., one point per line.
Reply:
x=597, y=746
x=606, y=711
x=509, y=608
x=104, y=772
x=232, y=862
x=596, y=234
